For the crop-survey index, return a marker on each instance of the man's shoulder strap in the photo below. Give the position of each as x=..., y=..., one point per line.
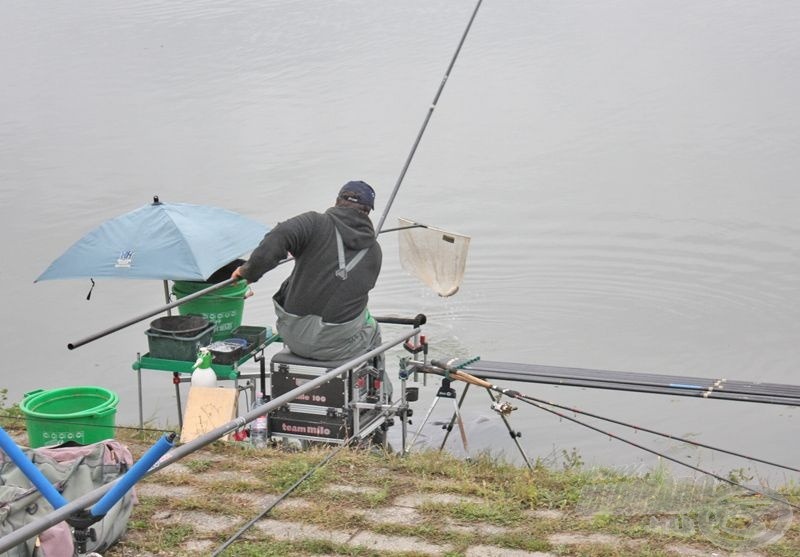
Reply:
x=344, y=266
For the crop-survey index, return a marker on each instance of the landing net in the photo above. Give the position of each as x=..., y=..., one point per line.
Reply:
x=435, y=256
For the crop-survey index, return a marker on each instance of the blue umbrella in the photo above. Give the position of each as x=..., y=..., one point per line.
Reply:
x=165, y=241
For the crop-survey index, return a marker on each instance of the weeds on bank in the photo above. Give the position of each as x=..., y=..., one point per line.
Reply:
x=505, y=495
x=11, y=417
x=506, y=492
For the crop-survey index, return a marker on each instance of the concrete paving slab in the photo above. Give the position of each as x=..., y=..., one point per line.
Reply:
x=255, y=500
x=299, y=503
x=547, y=514
x=199, y=546
x=492, y=551
x=294, y=531
x=569, y=538
x=177, y=468
x=359, y=489
x=392, y=515
x=221, y=476
x=161, y=490
x=479, y=528
x=204, y=523
x=380, y=542
x=419, y=499
x=689, y=551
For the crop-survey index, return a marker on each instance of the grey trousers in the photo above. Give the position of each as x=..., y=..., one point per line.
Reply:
x=309, y=336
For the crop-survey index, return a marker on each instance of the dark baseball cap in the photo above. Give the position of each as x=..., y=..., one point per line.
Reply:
x=358, y=192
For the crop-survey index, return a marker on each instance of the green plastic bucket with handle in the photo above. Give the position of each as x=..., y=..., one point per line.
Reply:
x=84, y=415
x=224, y=306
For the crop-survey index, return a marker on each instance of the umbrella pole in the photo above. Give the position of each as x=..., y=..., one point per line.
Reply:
x=166, y=296
x=134, y=320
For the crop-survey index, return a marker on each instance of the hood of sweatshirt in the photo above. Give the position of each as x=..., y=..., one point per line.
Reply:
x=354, y=226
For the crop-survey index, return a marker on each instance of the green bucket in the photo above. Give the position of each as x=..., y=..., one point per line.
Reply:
x=84, y=415
x=224, y=307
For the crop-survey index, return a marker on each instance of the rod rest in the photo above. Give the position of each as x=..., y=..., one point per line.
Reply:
x=416, y=321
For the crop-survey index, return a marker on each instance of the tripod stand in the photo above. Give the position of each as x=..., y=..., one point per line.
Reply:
x=445, y=392
x=502, y=408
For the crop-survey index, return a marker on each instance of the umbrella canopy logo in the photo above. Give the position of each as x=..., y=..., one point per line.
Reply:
x=124, y=260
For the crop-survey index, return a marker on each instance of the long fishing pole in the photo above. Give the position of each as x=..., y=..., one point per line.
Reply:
x=646, y=430
x=709, y=388
x=427, y=119
x=661, y=434
x=448, y=371
x=151, y=313
x=283, y=496
x=661, y=455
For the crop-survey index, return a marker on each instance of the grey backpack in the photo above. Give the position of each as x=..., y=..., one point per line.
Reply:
x=74, y=471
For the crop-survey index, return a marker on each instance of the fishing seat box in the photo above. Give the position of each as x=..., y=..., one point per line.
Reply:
x=325, y=413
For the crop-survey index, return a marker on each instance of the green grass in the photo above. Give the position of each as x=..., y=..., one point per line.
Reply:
x=498, y=508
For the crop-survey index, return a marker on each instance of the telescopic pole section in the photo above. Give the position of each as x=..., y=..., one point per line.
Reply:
x=133, y=475
x=142, y=317
x=36, y=477
x=427, y=119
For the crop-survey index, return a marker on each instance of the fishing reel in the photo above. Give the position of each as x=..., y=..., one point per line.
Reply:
x=502, y=407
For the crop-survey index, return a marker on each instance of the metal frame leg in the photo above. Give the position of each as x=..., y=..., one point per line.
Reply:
x=445, y=391
x=463, y=431
x=424, y=421
x=403, y=414
x=453, y=418
x=457, y=416
x=139, y=384
x=262, y=372
x=176, y=379
x=515, y=435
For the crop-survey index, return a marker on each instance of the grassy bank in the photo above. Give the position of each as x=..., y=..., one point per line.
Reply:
x=490, y=502
x=193, y=506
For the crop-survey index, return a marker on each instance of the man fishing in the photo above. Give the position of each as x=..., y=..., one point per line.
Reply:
x=321, y=308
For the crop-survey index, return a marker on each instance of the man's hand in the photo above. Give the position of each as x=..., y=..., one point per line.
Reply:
x=237, y=275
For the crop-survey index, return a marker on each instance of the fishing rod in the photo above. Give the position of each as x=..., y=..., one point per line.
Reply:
x=427, y=119
x=661, y=434
x=708, y=388
x=448, y=371
x=151, y=313
x=283, y=496
x=662, y=455
x=651, y=431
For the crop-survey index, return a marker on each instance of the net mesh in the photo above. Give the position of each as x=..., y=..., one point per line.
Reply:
x=436, y=257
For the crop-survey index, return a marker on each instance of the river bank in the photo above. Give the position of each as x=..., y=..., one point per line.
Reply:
x=367, y=502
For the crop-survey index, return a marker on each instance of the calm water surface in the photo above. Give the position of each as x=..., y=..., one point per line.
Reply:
x=627, y=172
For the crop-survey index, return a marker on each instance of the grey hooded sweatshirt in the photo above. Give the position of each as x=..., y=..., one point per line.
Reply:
x=321, y=315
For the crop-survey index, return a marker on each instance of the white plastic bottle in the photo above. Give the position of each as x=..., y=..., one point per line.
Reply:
x=258, y=429
x=203, y=374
